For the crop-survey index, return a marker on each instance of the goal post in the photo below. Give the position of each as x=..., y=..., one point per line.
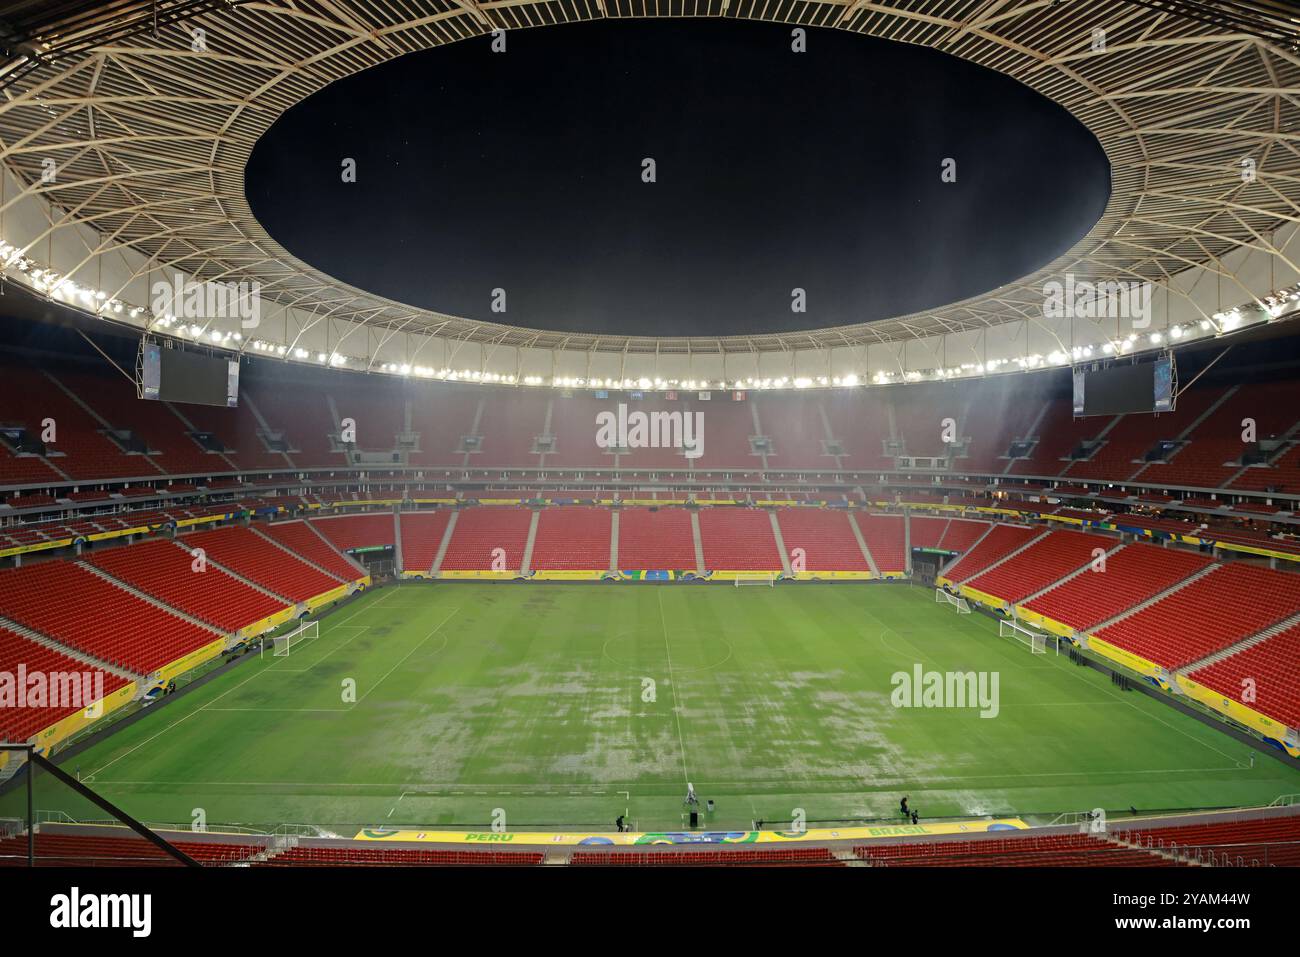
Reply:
x=943, y=596
x=755, y=578
x=282, y=646
x=1036, y=641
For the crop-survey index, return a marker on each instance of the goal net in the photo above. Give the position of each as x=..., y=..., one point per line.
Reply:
x=755, y=578
x=943, y=596
x=1036, y=641
x=284, y=645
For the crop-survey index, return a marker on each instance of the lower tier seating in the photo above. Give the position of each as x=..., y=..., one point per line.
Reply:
x=1000, y=542
x=481, y=531
x=71, y=850
x=738, y=539
x=421, y=535
x=1266, y=842
x=335, y=856
x=79, y=608
x=1271, y=672
x=300, y=538
x=823, y=537
x=167, y=572
x=1048, y=559
x=657, y=539
x=573, y=537
x=346, y=532
x=1219, y=609
x=251, y=556
x=22, y=723
x=1132, y=575
x=1060, y=850
x=884, y=537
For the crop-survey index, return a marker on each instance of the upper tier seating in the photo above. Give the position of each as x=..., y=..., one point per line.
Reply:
x=298, y=537
x=161, y=569
x=1273, y=669
x=1204, y=461
x=238, y=433
x=1046, y=560
x=171, y=448
x=824, y=535
x=795, y=425
x=572, y=537
x=1221, y=608
x=1058, y=433
x=454, y=426
x=80, y=449
x=21, y=723
x=79, y=608
x=251, y=556
x=1001, y=541
x=421, y=535
x=659, y=539
x=480, y=531
x=1132, y=575
x=738, y=539
x=1122, y=454
x=861, y=427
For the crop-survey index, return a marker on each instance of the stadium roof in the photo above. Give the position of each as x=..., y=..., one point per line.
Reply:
x=151, y=136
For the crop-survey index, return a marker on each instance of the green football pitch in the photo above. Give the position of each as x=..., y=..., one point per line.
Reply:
x=568, y=705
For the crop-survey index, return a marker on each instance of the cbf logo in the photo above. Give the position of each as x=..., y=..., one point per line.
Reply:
x=1079, y=299
x=187, y=299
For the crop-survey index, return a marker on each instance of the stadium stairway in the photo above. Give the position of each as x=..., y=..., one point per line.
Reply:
x=780, y=541
x=448, y=532
x=699, y=542
x=157, y=602
x=526, y=565
x=398, y=555
x=866, y=550
x=613, y=540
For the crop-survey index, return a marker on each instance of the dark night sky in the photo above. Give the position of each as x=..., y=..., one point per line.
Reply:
x=819, y=170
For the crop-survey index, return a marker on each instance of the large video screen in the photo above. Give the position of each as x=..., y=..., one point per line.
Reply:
x=173, y=375
x=1119, y=389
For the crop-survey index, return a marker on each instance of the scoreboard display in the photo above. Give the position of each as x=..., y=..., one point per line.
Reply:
x=1120, y=389
x=174, y=375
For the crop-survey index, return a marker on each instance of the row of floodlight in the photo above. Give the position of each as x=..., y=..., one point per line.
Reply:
x=55, y=285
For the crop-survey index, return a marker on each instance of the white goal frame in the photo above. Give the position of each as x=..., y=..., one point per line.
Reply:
x=282, y=646
x=1036, y=641
x=961, y=604
x=755, y=578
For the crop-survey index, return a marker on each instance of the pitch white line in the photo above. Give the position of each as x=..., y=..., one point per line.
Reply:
x=205, y=707
x=677, y=706
x=449, y=617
